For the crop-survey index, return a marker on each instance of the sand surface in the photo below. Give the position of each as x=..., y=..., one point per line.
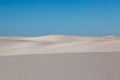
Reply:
x=57, y=44
x=59, y=57
x=74, y=66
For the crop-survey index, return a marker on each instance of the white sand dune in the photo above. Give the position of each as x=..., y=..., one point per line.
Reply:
x=58, y=44
x=59, y=57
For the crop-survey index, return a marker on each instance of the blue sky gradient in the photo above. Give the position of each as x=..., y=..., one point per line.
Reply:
x=68, y=17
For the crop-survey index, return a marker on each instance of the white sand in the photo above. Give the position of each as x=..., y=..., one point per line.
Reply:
x=74, y=66
x=58, y=44
x=60, y=58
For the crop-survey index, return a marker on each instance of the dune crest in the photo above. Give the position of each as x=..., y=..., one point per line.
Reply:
x=58, y=44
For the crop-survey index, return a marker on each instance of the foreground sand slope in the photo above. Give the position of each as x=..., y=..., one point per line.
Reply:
x=58, y=44
x=83, y=66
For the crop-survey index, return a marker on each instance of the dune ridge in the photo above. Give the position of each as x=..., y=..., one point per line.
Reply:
x=58, y=44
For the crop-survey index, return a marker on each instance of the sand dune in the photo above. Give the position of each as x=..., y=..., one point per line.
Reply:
x=59, y=57
x=58, y=44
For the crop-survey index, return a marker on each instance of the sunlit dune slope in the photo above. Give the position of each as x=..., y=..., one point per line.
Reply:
x=58, y=44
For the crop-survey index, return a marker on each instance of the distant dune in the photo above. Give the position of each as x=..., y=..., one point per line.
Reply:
x=58, y=44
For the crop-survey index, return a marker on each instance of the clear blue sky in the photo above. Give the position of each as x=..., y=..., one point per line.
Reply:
x=69, y=17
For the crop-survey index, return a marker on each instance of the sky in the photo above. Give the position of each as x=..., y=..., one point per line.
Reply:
x=59, y=17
